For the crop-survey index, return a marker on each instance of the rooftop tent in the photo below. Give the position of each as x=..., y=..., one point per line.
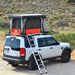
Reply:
x=27, y=24
x=33, y=25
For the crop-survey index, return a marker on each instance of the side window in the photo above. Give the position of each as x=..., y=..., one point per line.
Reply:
x=51, y=41
x=26, y=43
x=42, y=42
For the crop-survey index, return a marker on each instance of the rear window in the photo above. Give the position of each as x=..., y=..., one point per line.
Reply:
x=26, y=43
x=42, y=42
x=13, y=43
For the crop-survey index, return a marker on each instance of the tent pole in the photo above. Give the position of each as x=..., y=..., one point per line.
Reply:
x=42, y=27
x=11, y=24
x=22, y=25
x=24, y=28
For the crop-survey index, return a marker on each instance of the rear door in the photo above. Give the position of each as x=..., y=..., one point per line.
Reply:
x=12, y=47
x=43, y=47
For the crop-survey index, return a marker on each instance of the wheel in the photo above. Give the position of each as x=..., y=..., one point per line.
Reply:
x=32, y=65
x=66, y=55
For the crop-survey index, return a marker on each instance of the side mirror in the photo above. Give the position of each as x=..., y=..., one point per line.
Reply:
x=57, y=43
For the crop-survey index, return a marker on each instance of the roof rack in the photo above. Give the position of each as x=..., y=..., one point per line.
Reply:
x=35, y=34
x=23, y=35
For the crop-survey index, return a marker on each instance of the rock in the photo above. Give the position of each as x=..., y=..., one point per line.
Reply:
x=62, y=23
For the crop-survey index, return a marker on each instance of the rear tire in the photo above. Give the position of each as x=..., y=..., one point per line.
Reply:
x=66, y=55
x=32, y=65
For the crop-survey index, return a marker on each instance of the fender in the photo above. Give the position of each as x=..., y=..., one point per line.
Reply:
x=30, y=58
x=67, y=48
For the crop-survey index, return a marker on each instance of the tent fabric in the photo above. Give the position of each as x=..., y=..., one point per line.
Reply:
x=45, y=26
x=16, y=31
x=32, y=31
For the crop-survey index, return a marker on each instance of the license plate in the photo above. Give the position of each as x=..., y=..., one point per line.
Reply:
x=6, y=51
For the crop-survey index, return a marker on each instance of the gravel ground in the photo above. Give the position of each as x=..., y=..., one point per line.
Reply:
x=54, y=67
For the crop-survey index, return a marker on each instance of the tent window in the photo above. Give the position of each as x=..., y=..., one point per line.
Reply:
x=16, y=23
x=34, y=23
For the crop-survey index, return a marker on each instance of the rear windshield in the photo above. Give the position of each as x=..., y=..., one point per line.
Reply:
x=13, y=43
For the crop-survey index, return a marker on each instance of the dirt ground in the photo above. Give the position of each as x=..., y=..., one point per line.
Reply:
x=54, y=67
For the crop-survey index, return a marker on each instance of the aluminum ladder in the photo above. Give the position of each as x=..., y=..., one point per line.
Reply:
x=39, y=62
x=37, y=56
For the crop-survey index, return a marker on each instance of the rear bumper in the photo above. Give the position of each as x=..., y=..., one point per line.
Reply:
x=16, y=61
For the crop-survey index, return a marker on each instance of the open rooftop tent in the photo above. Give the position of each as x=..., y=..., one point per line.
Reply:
x=27, y=24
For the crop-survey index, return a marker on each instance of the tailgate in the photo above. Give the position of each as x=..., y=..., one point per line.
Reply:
x=12, y=47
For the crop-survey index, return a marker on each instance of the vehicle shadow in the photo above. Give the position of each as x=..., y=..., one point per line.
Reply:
x=48, y=63
x=52, y=62
x=26, y=70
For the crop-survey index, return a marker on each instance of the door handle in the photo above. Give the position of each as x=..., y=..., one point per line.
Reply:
x=39, y=49
x=51, y=47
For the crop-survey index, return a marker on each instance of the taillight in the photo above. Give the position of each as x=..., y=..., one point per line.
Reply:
x=22, y=52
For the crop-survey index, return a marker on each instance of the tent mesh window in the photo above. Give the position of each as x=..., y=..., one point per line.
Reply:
x=16, y=23
x=34, y=23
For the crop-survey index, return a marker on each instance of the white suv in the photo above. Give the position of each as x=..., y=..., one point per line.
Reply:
x=17, y=50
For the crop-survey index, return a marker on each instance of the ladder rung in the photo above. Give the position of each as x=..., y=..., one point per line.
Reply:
x=36, y=54
x=41, y=65
x=38, y=59
x=30, y=39
x=32, y=44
